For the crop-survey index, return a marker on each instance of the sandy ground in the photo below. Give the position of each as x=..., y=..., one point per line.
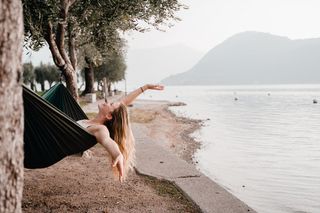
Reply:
x=78, y=184
x=166, y=129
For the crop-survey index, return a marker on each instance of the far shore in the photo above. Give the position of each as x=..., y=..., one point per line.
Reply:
x=79, y=184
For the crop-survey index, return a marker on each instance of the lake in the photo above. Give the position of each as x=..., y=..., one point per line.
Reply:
x=261, y=143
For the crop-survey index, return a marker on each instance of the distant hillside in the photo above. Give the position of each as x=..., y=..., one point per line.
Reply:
x=255, y=58
x=153, y=64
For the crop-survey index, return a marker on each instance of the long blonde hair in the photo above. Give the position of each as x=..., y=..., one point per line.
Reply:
x=120, y=132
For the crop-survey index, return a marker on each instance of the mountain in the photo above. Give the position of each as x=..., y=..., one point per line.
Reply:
x=150, y=65
x=255, y=58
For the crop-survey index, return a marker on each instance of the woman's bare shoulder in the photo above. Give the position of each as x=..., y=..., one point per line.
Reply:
x=98, y=128
x=99, y=131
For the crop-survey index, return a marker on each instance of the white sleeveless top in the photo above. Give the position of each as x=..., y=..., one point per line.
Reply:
x=84, y=123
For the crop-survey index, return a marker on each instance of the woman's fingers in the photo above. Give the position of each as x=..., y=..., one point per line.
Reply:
x=115, y=162
x=120, y=166
x=120, y=169
x=157, y=87
x=160, y=87
x=118, y=162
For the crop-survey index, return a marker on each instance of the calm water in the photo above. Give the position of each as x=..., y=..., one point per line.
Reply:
x=264, y=148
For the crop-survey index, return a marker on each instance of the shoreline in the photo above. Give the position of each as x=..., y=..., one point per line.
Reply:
x=164, y=180
x=177, y=134
x=159, y=158
x=194, y=125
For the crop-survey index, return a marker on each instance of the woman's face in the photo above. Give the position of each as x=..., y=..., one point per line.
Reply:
x=108, y=108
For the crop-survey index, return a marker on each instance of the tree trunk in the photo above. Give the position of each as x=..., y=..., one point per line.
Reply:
x=98, y=88
x=57, y=48
x=89, y=79
x=11, y=108
x=72, y=45
x=32, y=86
x=42, y=86
x=109, y=88
x=71, y=82
x=67, y=69
x=105, y=89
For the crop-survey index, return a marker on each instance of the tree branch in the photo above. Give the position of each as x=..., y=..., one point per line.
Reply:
x=72, y=51
x=60, y=36
x=57, y=58
x=72, y=2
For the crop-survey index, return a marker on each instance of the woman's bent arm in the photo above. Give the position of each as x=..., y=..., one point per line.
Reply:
x=127, y=100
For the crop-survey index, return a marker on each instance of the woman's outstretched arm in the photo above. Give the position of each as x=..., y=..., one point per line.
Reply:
x=102, y=135
x=127, y=100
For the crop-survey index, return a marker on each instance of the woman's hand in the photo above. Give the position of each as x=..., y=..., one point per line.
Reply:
x=118, y=162
x=154, y=86
x=127, y=100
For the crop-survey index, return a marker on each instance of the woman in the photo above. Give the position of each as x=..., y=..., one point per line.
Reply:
x=112, y=130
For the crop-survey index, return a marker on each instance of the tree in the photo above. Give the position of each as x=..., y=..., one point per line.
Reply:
x=63, y=24
x=28, y=75
x=46, y=72
x=88, y=76
x=52, y=74
x=40, y=72
x=95, y=55
x=113, y=69
x=11, y=108
x=88, y=57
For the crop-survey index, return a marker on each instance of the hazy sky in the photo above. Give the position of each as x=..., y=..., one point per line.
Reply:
x=209, y=22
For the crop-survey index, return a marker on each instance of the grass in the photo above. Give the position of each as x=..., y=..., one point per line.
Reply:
x=40, y=93
x=165, y=188
x=82, y=102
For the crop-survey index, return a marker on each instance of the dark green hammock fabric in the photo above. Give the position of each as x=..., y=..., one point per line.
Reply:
x=50, y=135
x=60, y=97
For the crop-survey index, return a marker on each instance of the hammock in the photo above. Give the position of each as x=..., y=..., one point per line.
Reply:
x=60, y=97
x=50, y=135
